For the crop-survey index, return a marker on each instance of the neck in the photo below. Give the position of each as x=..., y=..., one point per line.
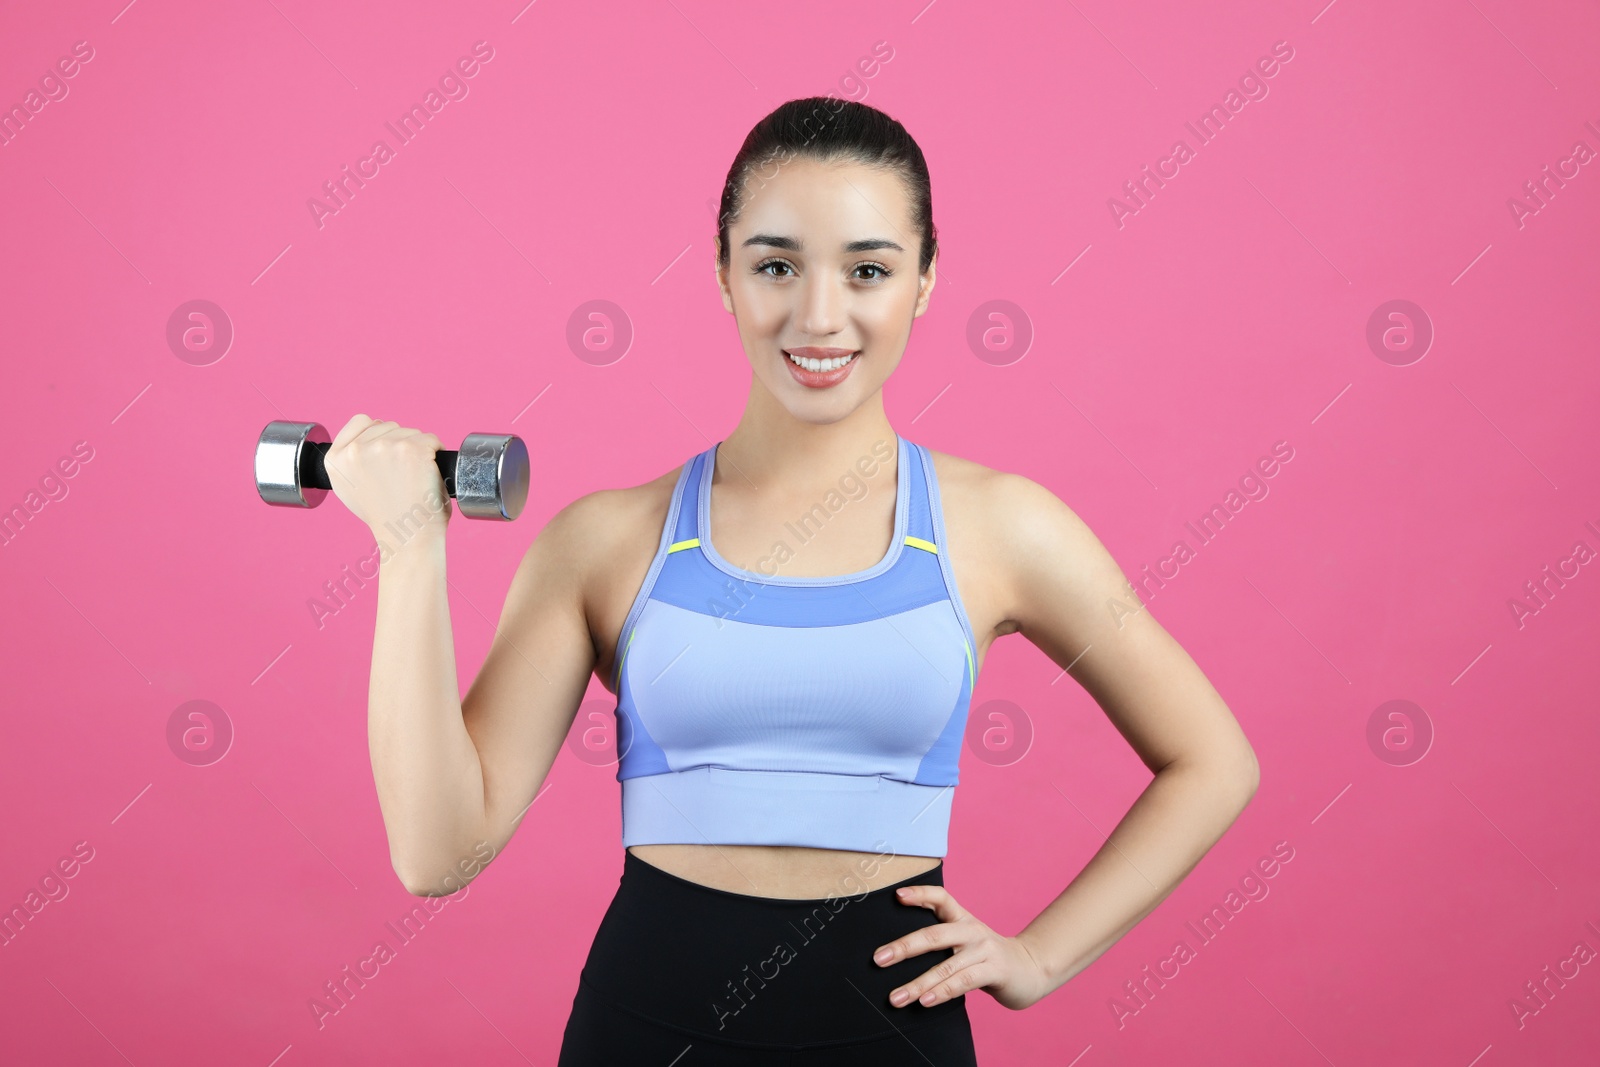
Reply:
x=771, y=451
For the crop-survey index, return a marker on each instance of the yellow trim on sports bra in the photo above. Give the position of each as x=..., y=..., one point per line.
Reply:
x=972, y=670
x=680, y=545
x=617, y=680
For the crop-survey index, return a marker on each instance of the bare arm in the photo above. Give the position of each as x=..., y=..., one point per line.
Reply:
x=454, y=775
x=1069, y=598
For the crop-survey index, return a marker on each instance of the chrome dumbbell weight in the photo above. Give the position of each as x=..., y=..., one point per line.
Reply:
x=488, y=476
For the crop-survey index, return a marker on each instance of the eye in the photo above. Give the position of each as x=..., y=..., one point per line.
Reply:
x=760, y=268
x=883, y=272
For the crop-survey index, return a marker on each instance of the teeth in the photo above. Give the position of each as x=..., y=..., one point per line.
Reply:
x=820, y=364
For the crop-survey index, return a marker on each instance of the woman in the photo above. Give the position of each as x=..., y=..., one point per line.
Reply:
x=791, y=693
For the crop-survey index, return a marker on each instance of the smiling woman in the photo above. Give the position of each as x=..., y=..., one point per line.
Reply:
x=788, y=756
x=839, y=164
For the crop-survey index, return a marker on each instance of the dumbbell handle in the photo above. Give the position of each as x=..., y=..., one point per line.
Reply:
x=314, y=471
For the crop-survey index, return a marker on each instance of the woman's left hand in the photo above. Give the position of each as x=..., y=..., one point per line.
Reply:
x=1002, y=966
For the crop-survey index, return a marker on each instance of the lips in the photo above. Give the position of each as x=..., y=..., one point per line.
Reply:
x=820, y=357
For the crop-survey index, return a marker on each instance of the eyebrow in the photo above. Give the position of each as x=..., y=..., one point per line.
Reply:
x=790, y=244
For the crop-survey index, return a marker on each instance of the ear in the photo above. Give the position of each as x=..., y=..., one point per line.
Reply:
x=925, y=284
x=721, y=274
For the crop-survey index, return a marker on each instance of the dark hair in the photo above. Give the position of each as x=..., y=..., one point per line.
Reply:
x=826, y=129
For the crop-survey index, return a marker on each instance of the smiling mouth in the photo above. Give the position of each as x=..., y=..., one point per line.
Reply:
x=824, y=366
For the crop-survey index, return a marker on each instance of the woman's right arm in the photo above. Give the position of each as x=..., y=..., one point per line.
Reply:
x=454, y=776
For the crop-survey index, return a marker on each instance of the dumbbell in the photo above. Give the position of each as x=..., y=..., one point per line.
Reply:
x=488, y=477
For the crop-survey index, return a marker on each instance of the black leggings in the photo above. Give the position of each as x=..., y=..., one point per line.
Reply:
x=684, y=975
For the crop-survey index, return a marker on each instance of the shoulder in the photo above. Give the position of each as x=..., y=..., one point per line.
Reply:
x=597, y=526
x=1011, y=508
x=595, y=552
x=1022, y=536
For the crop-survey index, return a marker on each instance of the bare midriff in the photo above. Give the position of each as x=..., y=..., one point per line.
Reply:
x=786, y=871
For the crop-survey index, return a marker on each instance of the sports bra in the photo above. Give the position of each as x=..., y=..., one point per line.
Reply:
x=759, y=709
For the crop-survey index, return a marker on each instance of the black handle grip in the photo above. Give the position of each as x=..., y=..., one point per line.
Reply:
x=314, y=474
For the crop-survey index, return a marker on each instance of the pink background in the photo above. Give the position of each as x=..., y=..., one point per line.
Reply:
x=1229, y=313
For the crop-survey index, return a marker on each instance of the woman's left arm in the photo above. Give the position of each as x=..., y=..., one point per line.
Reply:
x=1063, y=591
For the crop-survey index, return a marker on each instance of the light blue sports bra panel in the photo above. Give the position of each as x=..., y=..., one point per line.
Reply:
x=759, y=708
x=689, y=580
x=864, y=698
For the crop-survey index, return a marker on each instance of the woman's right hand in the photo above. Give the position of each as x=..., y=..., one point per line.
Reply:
x=385, y=473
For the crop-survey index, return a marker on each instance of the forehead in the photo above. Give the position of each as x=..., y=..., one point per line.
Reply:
x=825, y=205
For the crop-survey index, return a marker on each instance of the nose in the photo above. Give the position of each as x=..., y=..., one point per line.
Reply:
x=822, y=306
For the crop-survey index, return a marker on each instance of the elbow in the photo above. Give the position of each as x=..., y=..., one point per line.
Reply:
x=420, y=888
x=414, y=882
x=422, y=880
x=440, y=879
x=1233, y=773
x=1244, y=776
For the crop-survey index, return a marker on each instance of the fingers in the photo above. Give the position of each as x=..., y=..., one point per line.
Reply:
x=393, y=431
x=943, y=935
x=359, y=428
x=368, y=429
x=349, y=430
x=947, y=981
x=380, y=468
x=365, y=430
x=936, y=898
x=959, y=974
x=381, y=429
x=331, y=460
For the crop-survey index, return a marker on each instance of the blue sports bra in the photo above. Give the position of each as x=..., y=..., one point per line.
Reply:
x=759, y=709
